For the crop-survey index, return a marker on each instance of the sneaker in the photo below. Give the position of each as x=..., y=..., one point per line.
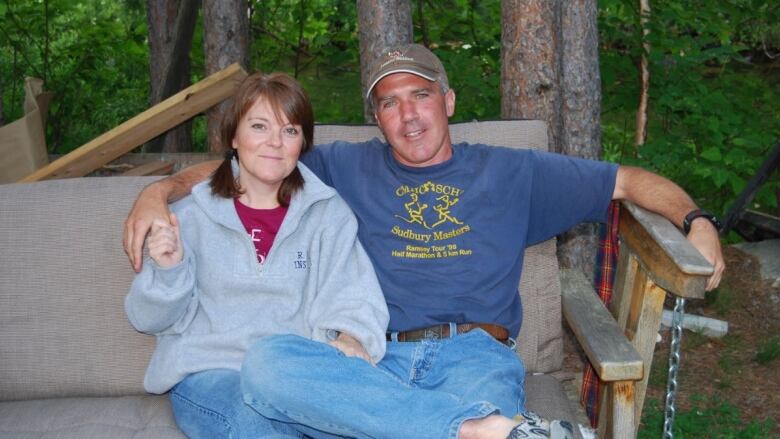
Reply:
x=561, y=430
x=533, y=426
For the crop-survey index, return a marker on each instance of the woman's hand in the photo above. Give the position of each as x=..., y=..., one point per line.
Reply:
x=150, y=208
x=165, y=242
x=351, y=347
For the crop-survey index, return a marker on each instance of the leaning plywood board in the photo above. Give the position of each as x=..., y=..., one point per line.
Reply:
x=143, y=127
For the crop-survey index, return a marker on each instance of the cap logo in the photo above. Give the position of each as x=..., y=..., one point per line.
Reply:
x=394, y=56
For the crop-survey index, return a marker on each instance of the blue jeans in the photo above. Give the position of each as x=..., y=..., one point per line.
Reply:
x=209, y=405
x=424, y=389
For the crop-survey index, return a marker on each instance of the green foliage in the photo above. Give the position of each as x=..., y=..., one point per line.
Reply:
x=315, y=41
x=88, y=54
x=714, y=108
x=708, y=418
x=713, y=114
x=466, y=36
x=768, y=351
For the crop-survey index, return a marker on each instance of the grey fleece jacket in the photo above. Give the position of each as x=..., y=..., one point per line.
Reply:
x=207, y=310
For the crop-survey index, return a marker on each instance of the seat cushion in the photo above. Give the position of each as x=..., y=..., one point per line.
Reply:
x=136, y=417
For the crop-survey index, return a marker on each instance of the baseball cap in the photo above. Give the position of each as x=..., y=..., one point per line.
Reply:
x=408, y=58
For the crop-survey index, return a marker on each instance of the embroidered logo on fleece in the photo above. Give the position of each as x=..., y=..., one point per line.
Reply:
x=301, y=262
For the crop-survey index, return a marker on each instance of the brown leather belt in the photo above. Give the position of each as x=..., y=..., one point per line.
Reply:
x=443, y=331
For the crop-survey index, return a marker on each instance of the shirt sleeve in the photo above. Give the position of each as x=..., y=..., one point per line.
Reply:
x=566, y=191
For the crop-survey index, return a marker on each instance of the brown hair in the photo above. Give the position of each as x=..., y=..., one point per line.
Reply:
x=286, y=97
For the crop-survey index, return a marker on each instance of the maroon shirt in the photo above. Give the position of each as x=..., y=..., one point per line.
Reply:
x=262, y=225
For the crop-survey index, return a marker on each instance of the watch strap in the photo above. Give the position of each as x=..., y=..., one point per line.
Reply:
x=700, y=213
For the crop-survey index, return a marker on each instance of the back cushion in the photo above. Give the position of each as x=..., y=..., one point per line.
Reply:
x=63, y=278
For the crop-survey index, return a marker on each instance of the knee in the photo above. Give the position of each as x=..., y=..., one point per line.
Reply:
x=271, y=362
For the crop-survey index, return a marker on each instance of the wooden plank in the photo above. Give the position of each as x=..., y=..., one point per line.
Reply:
x=150, y=168
x=670, y=259
x=643, y=323
x=624, y=422
x=763, y=221
x=144, y=127
x=624, y=281
x=608, y=350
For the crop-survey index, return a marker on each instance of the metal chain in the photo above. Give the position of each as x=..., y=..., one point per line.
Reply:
x=674, y=366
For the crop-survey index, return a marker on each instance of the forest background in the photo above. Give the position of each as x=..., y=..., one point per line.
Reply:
x=714, y=107
x=713, y=113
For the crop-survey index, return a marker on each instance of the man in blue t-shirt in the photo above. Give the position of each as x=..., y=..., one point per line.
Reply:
x=446, y=227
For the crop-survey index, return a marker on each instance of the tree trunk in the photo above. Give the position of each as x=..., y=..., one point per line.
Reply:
x=2, y=118
x=581, y=115
x=644, y=73
x=381, y=24
x=530, y=63
x=171, y=27
x=549, y=71
x=225, y=41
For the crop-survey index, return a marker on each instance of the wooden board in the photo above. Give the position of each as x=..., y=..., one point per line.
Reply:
x=608, y=350
x=673, y=263
x=144, y=127
x=150, y=168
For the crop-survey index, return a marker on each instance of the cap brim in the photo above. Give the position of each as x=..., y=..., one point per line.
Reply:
x=390, y=72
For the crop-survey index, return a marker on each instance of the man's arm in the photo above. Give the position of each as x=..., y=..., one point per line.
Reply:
x=664, y=197
x=152, y=203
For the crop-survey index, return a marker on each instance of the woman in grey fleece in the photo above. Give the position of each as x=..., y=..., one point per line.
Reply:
x=215, y=283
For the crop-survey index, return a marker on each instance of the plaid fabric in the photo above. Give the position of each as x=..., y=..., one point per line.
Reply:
x=606, y=262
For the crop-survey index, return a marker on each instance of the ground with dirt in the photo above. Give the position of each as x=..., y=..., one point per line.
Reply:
x=741, y=369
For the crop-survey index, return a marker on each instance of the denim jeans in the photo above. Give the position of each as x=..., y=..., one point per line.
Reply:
x=209, y=405
x=423, y=389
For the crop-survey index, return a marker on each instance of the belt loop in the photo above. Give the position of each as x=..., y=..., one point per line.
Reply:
x=453, y=329
x=394, y=336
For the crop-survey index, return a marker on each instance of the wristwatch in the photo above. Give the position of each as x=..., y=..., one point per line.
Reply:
x=697, y=214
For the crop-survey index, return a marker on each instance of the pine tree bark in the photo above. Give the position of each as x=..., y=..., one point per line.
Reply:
x=531, y=64
x=171, y=26
x=2, y=117
x=225, y=41
x=549, y=71
x=581, y=135
x=381, y=24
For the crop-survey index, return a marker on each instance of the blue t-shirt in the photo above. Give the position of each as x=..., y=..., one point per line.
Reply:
x=447, y=241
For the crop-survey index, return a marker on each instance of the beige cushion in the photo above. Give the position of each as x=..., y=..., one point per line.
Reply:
x=64, y=276
x=128, y=417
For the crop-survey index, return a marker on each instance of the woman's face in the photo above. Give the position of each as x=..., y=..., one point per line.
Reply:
x=268, y=148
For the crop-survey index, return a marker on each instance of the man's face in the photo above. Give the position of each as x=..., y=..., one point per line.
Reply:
x=412, y=113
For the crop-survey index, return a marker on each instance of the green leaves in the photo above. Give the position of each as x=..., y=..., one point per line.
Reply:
x=713, y=117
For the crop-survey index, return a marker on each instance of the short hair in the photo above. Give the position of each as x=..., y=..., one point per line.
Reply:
x=286, y=97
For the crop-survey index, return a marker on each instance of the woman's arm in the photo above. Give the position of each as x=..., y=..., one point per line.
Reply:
x=162, y=297
x=349, y=299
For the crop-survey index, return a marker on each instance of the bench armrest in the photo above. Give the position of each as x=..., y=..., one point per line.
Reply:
x=607, y=348
x=668, y=257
